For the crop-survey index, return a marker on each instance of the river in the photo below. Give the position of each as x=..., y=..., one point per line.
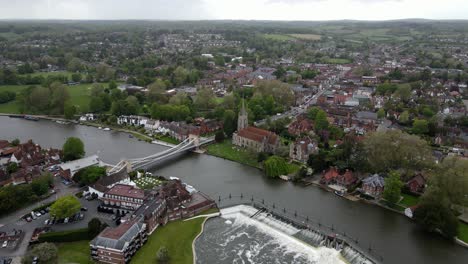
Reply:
x=391, y=235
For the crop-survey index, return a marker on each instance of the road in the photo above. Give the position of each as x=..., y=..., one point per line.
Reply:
x=14, y=221
x=294, y=111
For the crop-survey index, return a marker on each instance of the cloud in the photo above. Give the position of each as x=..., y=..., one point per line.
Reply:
x=104, y=9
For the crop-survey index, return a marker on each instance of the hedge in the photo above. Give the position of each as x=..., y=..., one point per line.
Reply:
x=65, y=236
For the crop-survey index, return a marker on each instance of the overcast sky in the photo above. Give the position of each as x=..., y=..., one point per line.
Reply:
x=234, y=9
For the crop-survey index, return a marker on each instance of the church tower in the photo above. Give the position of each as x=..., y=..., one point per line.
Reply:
x=243, y=119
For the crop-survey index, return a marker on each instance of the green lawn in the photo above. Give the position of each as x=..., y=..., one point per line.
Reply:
x=293, y=168
x=228, y=151
x=463, y=231
x=337, y=61
x=167, y=139
x=79, y=96
x=409, y=200
x=74, y=252
x=177, y=237
x=279, y=37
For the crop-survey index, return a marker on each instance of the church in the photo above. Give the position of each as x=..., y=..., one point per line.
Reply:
x=254, y=138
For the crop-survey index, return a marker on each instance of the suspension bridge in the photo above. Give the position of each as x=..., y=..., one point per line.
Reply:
x=191, y=143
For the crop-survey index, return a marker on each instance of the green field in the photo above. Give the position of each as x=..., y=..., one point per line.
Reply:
x=306, y=36
x=463, y=231
x=409, y=200
x=79, y=95
x=337, y=61
x=278, y=37
x=177, y=237
x=74, y=252
x=228, y=151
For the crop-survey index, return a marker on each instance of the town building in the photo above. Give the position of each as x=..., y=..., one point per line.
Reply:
x=417, y=184
x=373, y=185
x=302, y=148
x=118, y=245
x=253, y=138
x=123, y=197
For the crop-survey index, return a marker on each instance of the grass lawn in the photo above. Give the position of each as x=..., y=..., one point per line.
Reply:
x=293, y=167
x=337, y=61
x=279, y=37
x=463, y=231
x=409, y=200
x=79, y=96
x=167, y=139
x=306, y=36
x=228, y=151
x=177, y=237
x=74, y=252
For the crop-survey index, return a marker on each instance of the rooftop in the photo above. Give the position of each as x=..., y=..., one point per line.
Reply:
x=127, y=191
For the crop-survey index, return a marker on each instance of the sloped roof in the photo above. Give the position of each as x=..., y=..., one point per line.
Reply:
x=119, y=237
x=374, y=180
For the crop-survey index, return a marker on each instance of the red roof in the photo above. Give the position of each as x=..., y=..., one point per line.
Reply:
x=331, y=174
x=126, y=191
x=258, y=134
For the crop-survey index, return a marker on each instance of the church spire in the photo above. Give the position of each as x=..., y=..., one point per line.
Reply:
x=243, y=119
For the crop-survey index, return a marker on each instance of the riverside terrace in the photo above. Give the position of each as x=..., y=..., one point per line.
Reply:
x=171, y=201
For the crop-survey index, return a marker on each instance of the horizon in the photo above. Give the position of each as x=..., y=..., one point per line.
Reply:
x=241, y=10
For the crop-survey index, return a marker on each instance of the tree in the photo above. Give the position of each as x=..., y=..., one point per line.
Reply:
x=393, y=150
x=434, y=214
x=229, y=122
x=276, y=166
x=76, y=77
x=75, y=65
x=12, y=167
x=73, y=149
x=65, y=206
x=40, y=186
x=157, y=91
x=95, y=227
x=219, y=136
x=404, y=92
x=450, y=179
x=69, y=111
x=46, y=252
x=381, y=113
x=180, y=76
x=420, y=126
x=96, y=105
x=58, y=96
x=404, y=117
x=205, y=99
x=393, y=185
x=89, y=175
x=321, y=122
x=112, y=85
x=163, y=256
x=15, y=142
x=312, y=113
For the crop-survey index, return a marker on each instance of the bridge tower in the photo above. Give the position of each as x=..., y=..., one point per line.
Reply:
x=196, y=140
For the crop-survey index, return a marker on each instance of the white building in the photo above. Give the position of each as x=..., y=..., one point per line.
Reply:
x=76, y=165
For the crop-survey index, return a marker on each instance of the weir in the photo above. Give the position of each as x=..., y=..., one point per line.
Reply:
x=312, y=236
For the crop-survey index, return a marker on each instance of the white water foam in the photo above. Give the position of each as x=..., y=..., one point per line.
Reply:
x=282, y=236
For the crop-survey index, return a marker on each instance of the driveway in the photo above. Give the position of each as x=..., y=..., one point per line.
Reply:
x=15, y=221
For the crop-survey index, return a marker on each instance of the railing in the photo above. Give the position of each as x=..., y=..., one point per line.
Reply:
x=302, y=221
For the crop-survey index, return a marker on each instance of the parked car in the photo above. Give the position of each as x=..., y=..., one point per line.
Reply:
x=5, y=244
x=114, y=217
x=35, y=260
x=28, y=219
x=46, y=222
x=84, y=209
x=38, y=214
x=65, y=220
x=33, y=215
x=43, y=212
x=81, y=216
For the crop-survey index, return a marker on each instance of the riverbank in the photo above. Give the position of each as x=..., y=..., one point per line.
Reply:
x=177, y=237
x=227, y=150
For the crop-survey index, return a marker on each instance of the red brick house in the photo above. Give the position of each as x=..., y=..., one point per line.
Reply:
x=416, y=184
x=347, y=179
x=329, y=176
x=373, y=185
